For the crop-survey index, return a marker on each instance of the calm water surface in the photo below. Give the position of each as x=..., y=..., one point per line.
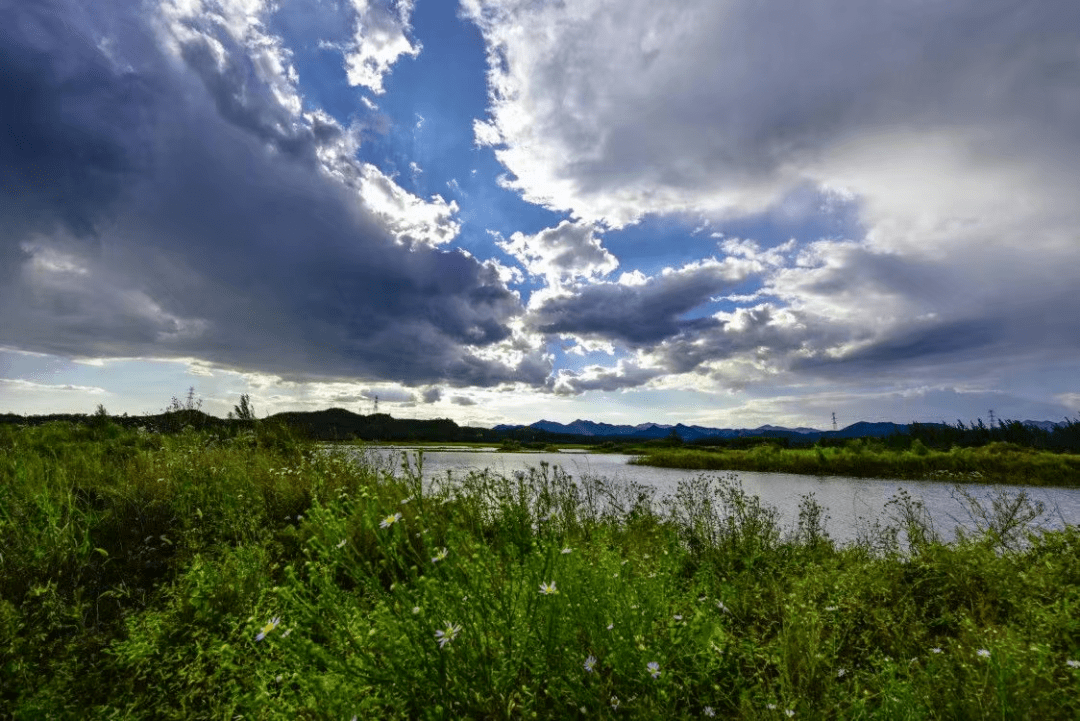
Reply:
x=851, y=502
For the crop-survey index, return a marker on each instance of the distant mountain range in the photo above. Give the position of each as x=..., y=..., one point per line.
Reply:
x=692, y=433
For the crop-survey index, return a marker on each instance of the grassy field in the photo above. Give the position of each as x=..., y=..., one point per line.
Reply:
x=193, y=576
x=995, y=462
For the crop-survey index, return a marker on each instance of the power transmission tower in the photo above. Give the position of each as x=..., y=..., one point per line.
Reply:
x=834, y=420
x=376, y=404
x=991, y=418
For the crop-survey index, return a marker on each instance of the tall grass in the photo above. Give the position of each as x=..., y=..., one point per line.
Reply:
x=190, y=576
x=996, y=462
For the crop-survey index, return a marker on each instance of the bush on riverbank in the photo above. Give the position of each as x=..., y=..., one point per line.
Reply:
x=996, y=462
x=192, y=576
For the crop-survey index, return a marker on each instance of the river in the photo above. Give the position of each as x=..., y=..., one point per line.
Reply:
x=851, y=503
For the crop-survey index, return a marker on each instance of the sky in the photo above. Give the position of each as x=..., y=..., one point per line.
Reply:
x=716, y=212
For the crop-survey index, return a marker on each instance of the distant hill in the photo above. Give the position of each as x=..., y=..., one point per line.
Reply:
x=340, y=424
x=1046, y=425
x=651, y=431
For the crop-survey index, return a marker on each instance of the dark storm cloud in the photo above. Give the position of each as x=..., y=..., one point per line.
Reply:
x=763, y=332
x=161, y=205
x=923, y=344
x=61, y=160
x=639, y=314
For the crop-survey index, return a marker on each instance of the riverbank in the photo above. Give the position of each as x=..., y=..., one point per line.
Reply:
x=993, y=463
x=201, y=576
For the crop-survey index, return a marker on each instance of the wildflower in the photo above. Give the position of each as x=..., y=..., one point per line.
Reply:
x=830, y=608
x=390, y=520
x=286, y=633
x=840, y=673
x=770, y=706
x=615, y=703
x=278, y=679
x=654, y=669
x=709, y=711
x=722, y=607
x=548, y=589
x=610, y=626
x=1072, y=664
x=789, y=712
x=268, y=628
x=440, y=555
x=415, y=610
x=983, y=653
x=678, y=617
x=590, y=663
x=702, y=599
x=406, y=500
x=566, y=551
x=448, y=634
x=341, y=543
x=935, y=649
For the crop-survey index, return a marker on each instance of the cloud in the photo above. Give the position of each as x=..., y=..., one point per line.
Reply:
x=563, y=254
x=944, y=139
x=389, y=395
x=599, y=378
x=411, y=220
x=381, y=38
x=431, y=395
x=18, y=384
x=1070, y=400
x=640, y=313
x=170, y=198
x=919, y=403
x=706, y=104
x=462, y=401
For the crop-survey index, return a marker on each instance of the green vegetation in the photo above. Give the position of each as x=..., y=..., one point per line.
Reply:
x=202, y=575
x=998, y=462
x=514, y=446
x=1064, y=438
